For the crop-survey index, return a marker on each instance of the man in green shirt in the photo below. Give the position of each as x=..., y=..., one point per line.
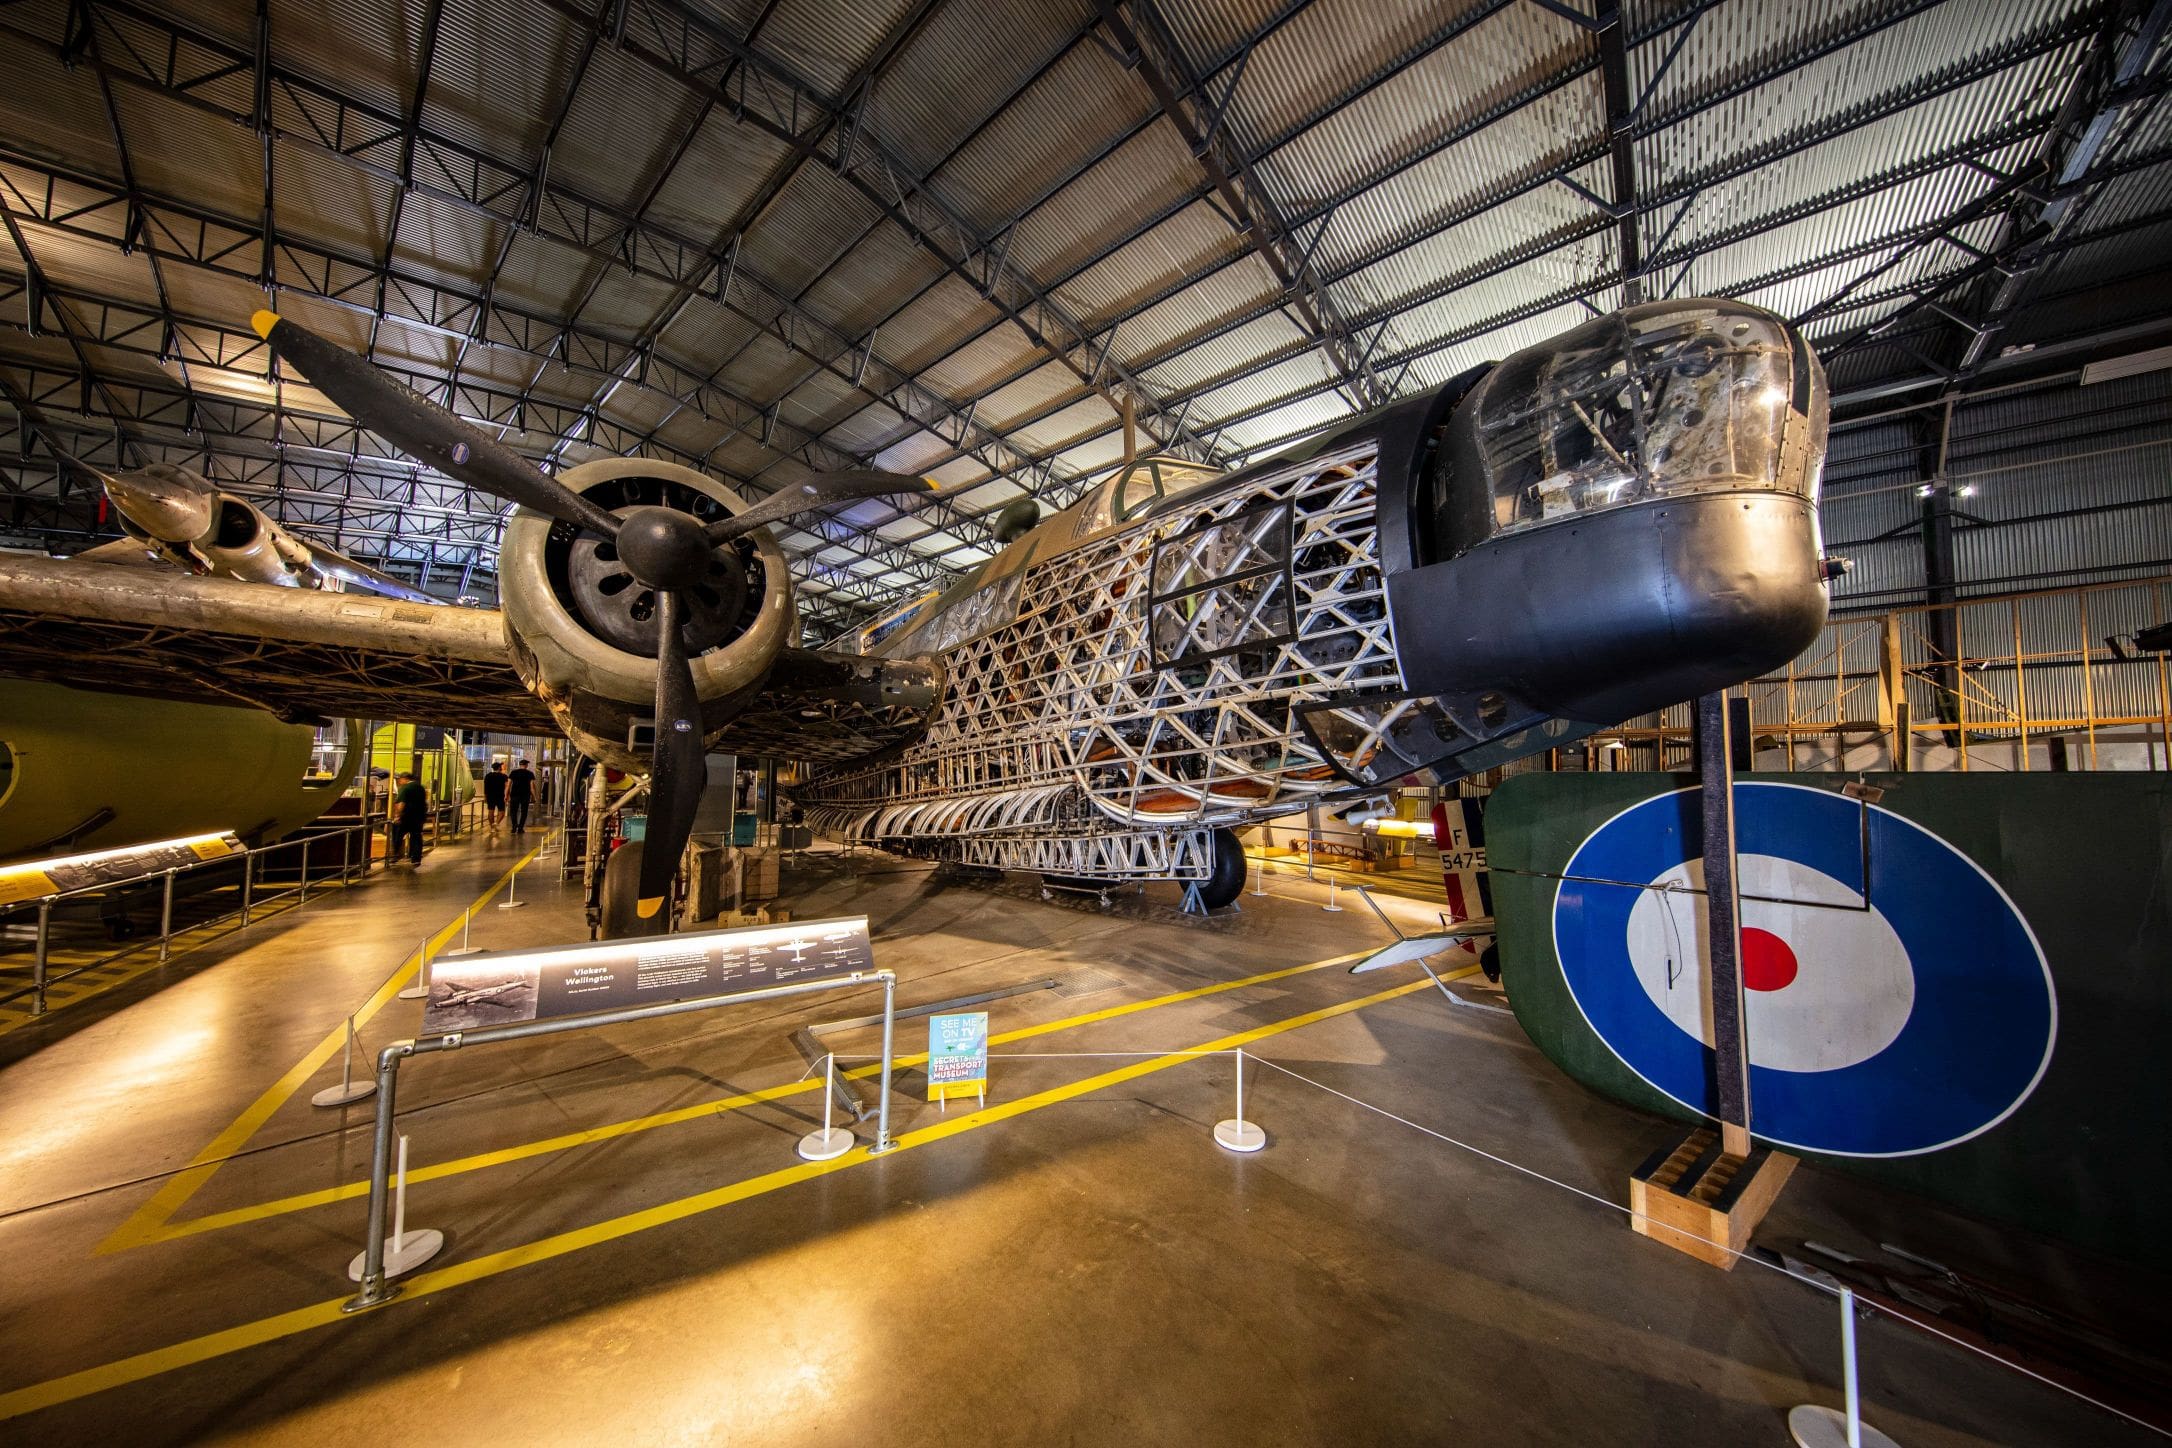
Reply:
x=411, y=805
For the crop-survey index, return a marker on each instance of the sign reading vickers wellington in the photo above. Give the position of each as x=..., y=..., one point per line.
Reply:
x=575, y=980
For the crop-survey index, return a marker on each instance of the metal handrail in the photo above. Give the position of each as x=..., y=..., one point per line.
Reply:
x=41, y=979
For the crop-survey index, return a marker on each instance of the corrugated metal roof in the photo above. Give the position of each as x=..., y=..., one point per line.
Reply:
x=1443, y=169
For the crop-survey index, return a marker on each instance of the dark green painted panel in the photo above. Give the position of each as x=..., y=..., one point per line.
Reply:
x=2084, y=858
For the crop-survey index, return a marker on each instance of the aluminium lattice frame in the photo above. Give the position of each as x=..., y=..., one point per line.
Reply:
x=1139, y=690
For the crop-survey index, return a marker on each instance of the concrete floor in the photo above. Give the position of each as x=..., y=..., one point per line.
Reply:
x=1078, y=1264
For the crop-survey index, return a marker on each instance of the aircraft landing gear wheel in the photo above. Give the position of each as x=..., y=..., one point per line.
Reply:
x=622, y=893
x=1489, y=960
x=1225, y=871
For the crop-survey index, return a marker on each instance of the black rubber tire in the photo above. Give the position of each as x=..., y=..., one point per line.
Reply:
x=1226, y=871
x=1489, y=960
x=622, y=894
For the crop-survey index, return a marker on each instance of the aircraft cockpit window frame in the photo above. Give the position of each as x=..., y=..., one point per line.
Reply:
x=1144, y=483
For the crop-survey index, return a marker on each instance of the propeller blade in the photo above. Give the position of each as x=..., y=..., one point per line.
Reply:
x=422, y=429
x=680, y=768
x=815, y=492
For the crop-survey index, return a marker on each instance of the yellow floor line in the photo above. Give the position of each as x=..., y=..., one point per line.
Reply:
x=213, y=1221
x=170, y=1198
x=286, y=1324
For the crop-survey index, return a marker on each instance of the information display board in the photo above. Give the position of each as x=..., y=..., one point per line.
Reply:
x=104, y=867
x=573, y=980
x=958, y=1056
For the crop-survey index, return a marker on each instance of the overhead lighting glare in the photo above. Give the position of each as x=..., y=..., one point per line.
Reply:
x=2156, y=359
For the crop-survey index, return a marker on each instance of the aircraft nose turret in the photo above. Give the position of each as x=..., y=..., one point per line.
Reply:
x=163, y=502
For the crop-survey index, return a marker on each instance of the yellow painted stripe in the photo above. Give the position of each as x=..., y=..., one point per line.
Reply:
x=185, y=1183
x=213, y=1221
x=286, y=1324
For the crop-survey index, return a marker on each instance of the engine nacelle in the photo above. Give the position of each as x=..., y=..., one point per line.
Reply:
x=241, y=545
x=562, y=607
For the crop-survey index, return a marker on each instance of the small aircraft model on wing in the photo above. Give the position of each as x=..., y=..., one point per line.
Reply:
x=1608, y=523
x=1613, y=521
x=174, y=516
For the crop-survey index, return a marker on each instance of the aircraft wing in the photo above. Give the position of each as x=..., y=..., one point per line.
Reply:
x=297, y=652
x=360, y=575
x=121, y=553
x=830, y=708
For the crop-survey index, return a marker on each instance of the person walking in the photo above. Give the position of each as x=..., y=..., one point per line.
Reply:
x=519, y=794
x=412, y=804
x=494, y=796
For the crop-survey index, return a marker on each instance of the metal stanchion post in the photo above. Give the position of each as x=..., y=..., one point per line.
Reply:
x=1331, y=907
x=1238, y=1134
x=883, y=1142
x=421, y=987
x=511, y=900
x=348, y=1090
x=37, y=961
x=165, y=922
x=346, y=856
x=467, y=919
x=305, y=874
x=248, y=882
x=831, y=1141
x=1260, y=884
x=1815, y=1427
x=406, y=1251
x=374, y=1287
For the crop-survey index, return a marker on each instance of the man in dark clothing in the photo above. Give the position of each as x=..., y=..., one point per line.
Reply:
x=411, y=804
x=494, y=795
x=519, y=794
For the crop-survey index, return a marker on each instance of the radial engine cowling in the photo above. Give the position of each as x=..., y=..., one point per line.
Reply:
x=582, y=630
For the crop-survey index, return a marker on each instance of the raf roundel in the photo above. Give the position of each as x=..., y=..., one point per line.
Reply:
x=1894, y=1000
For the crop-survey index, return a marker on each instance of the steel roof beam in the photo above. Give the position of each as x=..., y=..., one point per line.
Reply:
x=870, y=168
x=1147, y=39
x=1826, y=129
x=2110, y=85
x=191, y=67
x=774, y=186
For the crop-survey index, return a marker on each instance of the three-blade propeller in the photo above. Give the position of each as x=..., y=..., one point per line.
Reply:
x=666, y=550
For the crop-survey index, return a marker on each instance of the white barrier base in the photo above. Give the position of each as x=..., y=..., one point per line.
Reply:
x=343, y=1095
x=511, y=904
x=418, y=1248
x=1815, y=1427
x=827, y=1144
x=414, y=993
x=1235, y=1135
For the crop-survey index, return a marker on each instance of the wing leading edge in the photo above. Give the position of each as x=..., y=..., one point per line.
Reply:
x=299, y=653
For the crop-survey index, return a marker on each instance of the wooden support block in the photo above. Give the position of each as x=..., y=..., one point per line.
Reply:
x=1701, y=1199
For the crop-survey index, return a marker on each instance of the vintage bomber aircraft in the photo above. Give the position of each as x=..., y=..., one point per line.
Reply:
x=179, y=518
x=1615, y=520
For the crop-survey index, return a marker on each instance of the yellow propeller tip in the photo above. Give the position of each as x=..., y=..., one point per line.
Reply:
x=647, y=909
x=263, y=322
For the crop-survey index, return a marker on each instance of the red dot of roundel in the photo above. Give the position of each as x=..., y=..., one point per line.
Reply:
x=1767, y=962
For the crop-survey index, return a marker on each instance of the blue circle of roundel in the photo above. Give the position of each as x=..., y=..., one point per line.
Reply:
x=1978, y=1034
